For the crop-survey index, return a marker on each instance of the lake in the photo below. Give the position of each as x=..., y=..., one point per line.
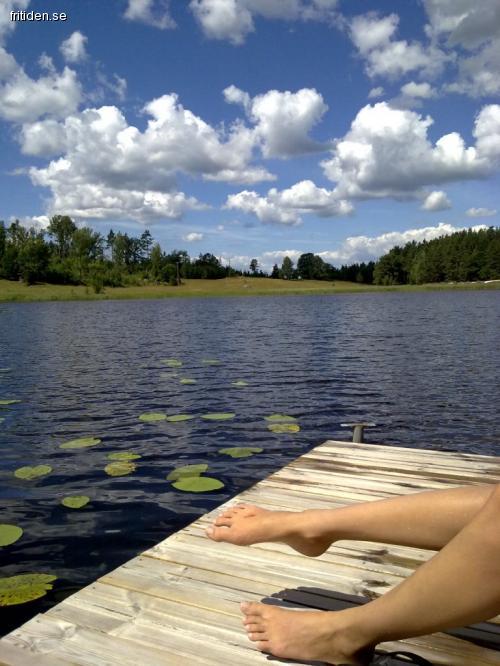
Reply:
x=422, y=366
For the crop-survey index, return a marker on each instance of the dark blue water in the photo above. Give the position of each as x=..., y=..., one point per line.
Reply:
x=423, y=366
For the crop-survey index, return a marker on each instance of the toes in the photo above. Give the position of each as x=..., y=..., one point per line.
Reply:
x=251, y=608
x=216, y=533
x=223, y=520
x=263, y=646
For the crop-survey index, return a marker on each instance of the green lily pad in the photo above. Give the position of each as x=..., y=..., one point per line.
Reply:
x=280, y=418
x=120, y=468
x=241, y=451
x=2, y=419
x=187, y=471
x=283, y=427
x=9, y=534
x=26, y=587
x=176, y=418
x=8, y=402
x=186, y=380
x=28, y=473
x=124, y=456
x=198, y=484
x=81, y=443
x=150, y=417
x=5, y=369
x=75, y=501
x=168, y=375
x=240, y=382
x=172, y=362
x=210, y=361
x=219, y=416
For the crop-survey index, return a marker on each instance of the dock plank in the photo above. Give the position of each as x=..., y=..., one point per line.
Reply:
x=178, y=602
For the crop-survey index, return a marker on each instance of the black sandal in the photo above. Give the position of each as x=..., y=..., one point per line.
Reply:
x=399, y=658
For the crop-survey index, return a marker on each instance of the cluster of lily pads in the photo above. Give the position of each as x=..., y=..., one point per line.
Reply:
x=186, y=478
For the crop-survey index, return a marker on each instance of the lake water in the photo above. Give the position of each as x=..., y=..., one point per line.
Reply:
x=423, y=366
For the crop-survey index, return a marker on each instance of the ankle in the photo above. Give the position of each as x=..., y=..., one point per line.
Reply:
x=350, y=635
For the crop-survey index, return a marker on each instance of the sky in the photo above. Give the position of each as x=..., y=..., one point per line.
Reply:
x=253, y=128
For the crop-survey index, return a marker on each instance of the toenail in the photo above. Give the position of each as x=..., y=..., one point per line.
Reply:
x=209, y=531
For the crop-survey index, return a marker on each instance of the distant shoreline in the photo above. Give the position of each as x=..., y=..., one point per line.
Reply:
x=238, y=286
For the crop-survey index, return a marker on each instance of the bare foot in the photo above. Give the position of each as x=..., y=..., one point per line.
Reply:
x=245, y=524
x=304, y=635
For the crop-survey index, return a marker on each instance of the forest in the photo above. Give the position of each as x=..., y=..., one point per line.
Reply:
x=67, y=254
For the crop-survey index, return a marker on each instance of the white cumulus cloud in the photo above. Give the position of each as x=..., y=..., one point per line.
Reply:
x=387, y=153
x=282, y=119
x=151, y=12
x=6, y=7
x=73, y=48
x=481, y=212
x=192, y=237
x=437, y=200
x=373, y=36
x=287, y=206
x=233, y=20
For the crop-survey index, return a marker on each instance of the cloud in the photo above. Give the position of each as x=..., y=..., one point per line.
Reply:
x=365, y=248
x=421, y=90
x=480, y=212
x=435, y=201
x=282, y=119
x=376, y=92
x=287, y=206
x=39, y=222
x=73, y=48
x=103, y=167
x=233, y=20
x=6, y=7
x=192, y=237
x=474, y=27
x=387, y=153
x=151, y=12
x=384, y=56
x=23, y=99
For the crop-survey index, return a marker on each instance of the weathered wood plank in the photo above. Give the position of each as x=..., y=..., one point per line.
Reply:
x=179, y=601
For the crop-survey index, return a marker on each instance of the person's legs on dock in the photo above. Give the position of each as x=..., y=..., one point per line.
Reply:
x=459, y=585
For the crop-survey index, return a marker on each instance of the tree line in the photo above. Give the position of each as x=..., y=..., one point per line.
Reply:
x=465, y=256
x=67, y=254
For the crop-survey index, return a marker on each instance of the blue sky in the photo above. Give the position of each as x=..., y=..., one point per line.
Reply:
x=254, y=128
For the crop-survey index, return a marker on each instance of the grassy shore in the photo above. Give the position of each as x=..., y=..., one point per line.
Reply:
x=237, y=286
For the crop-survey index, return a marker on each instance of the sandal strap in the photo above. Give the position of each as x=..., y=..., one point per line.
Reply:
x=384, y=659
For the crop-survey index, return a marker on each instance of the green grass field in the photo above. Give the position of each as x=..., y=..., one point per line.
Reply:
x=236, y=286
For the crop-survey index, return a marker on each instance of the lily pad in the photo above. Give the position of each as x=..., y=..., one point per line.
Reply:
x=2, y=419
x=187, y=471
x=81, y=443
x=9, y=402
x=5, y=369
x=176, y=418
x=280, y=418
x=219, y=416
x=283, y=427
x=124, y=456
x=168, y=375
x=241, y=451
x=171, y=362
x=26, y=587
x=75, y=501
x=240, y=382
x=28, y=473
x=210, y=361
x=186, y=380
x=9, y=534
x=120, y=468
x=150, y=417
x=198, y=484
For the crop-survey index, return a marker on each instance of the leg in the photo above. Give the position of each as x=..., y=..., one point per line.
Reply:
x=459, y=585
x=422, y=520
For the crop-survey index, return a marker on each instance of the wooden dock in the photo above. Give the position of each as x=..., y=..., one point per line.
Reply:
x=178, y=602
